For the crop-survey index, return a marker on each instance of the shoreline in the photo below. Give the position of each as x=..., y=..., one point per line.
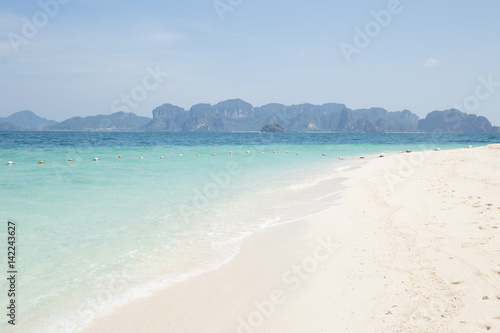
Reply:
x=400, y=261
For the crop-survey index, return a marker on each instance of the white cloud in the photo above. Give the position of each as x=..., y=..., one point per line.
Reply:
x=430, y=63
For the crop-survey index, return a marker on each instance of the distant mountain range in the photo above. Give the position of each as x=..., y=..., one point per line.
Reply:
x=238, y=115
x=456, y=121
x=115, y=121
x=24, y=120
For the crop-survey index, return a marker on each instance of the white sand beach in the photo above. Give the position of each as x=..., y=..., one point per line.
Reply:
x=415, y=248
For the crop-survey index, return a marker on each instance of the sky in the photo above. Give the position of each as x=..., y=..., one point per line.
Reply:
x=65, y=58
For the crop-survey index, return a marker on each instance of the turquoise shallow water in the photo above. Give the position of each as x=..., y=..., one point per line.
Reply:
x=96, y=234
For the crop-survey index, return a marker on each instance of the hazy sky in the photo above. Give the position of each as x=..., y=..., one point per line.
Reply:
x=61, y=58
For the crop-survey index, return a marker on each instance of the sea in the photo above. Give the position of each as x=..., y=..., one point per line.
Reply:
x=132, y=213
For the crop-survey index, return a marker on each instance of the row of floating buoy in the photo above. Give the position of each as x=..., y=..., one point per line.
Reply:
x=163, y=157
x=231, y=153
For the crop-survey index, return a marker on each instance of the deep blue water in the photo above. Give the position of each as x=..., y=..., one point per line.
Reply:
x=138, y=139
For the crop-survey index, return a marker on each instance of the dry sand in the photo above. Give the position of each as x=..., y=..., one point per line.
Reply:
x=415, y=248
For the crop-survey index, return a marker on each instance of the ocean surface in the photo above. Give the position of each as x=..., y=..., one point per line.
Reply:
x=92, y=235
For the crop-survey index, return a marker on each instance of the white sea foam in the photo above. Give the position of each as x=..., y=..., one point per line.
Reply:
x=310, y=183
x=327, y=196
x=270, y=222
